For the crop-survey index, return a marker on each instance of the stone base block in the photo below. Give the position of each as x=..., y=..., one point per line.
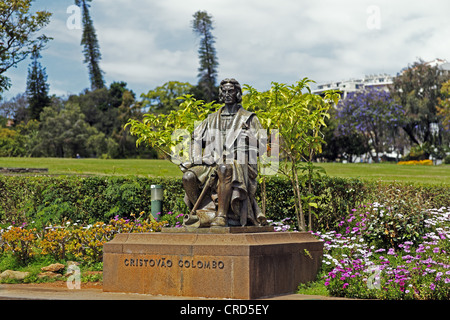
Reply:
x=214, y=265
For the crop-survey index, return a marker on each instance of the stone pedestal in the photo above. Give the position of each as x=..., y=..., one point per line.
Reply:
x=224, y=263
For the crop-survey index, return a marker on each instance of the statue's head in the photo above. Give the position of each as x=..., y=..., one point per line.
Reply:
x=230, y=91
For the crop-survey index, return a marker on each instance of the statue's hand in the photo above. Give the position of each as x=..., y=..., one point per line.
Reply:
x=185, y=166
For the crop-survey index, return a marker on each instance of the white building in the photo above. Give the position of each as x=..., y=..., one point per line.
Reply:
x=379, y=81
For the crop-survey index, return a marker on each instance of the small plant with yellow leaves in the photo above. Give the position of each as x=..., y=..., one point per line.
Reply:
x=21, y=242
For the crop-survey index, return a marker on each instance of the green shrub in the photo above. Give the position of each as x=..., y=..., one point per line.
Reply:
x=447, y=159
x=51, y=200
x=335, y=197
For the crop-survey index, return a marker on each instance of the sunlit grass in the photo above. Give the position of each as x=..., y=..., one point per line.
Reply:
x=148, y=168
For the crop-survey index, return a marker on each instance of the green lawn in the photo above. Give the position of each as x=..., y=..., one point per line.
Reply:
x=59, y=166
x=390, y=172
x=147, y=168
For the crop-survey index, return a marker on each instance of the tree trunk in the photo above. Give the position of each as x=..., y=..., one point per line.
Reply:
x=298, y=200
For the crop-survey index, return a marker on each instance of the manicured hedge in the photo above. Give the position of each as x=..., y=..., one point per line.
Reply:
x=99, y=198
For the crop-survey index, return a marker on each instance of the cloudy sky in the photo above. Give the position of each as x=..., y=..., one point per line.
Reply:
x=149, y=42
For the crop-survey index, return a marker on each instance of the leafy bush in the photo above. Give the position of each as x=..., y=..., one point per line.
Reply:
x=20, y=242
x=401, y=216
x=447, y=159
x=171, y=219
x=53, y=200
x=70, y=240
x=333, y=196
x=357, y=265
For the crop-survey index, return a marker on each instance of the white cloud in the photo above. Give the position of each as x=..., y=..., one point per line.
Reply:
x=146, y=43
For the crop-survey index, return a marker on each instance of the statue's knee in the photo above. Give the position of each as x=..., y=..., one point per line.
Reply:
x=224, y=170
x=189, y=177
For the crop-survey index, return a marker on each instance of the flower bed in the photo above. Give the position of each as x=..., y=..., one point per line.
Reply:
x=356, y=265
x=73, y=240
x=426, y=162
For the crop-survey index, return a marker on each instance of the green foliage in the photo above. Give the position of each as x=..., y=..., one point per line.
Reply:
x=165, y=98
x=107, y=111
x=171, y=219
x=20, y=242
x=18, y=34
x=298, y=118
x=163, y=132
x=64, y=132
x=37, y=87
x=443, y=109
x=202, y=25
x=91, y=48
x=417, y=89
x=447, y=159
x=52, y=200
x=11, y=143
x=68, y=241
x=313, y=288
x=365, y=257
x=401, y=215
x=333, y=196
x=89, y=125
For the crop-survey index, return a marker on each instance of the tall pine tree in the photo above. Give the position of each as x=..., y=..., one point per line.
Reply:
x=37, y=87
x=91, y=48
x=202, y=26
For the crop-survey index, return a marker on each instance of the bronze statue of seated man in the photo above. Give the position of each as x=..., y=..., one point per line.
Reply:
x=220, y=180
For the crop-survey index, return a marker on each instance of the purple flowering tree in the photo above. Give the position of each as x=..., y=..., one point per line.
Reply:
x=373, y=115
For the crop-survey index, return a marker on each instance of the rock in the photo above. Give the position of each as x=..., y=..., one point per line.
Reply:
x=49, y=274
x=14, y=275
x=55, y=267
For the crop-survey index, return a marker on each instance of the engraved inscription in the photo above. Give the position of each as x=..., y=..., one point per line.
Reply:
x=163, y=262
